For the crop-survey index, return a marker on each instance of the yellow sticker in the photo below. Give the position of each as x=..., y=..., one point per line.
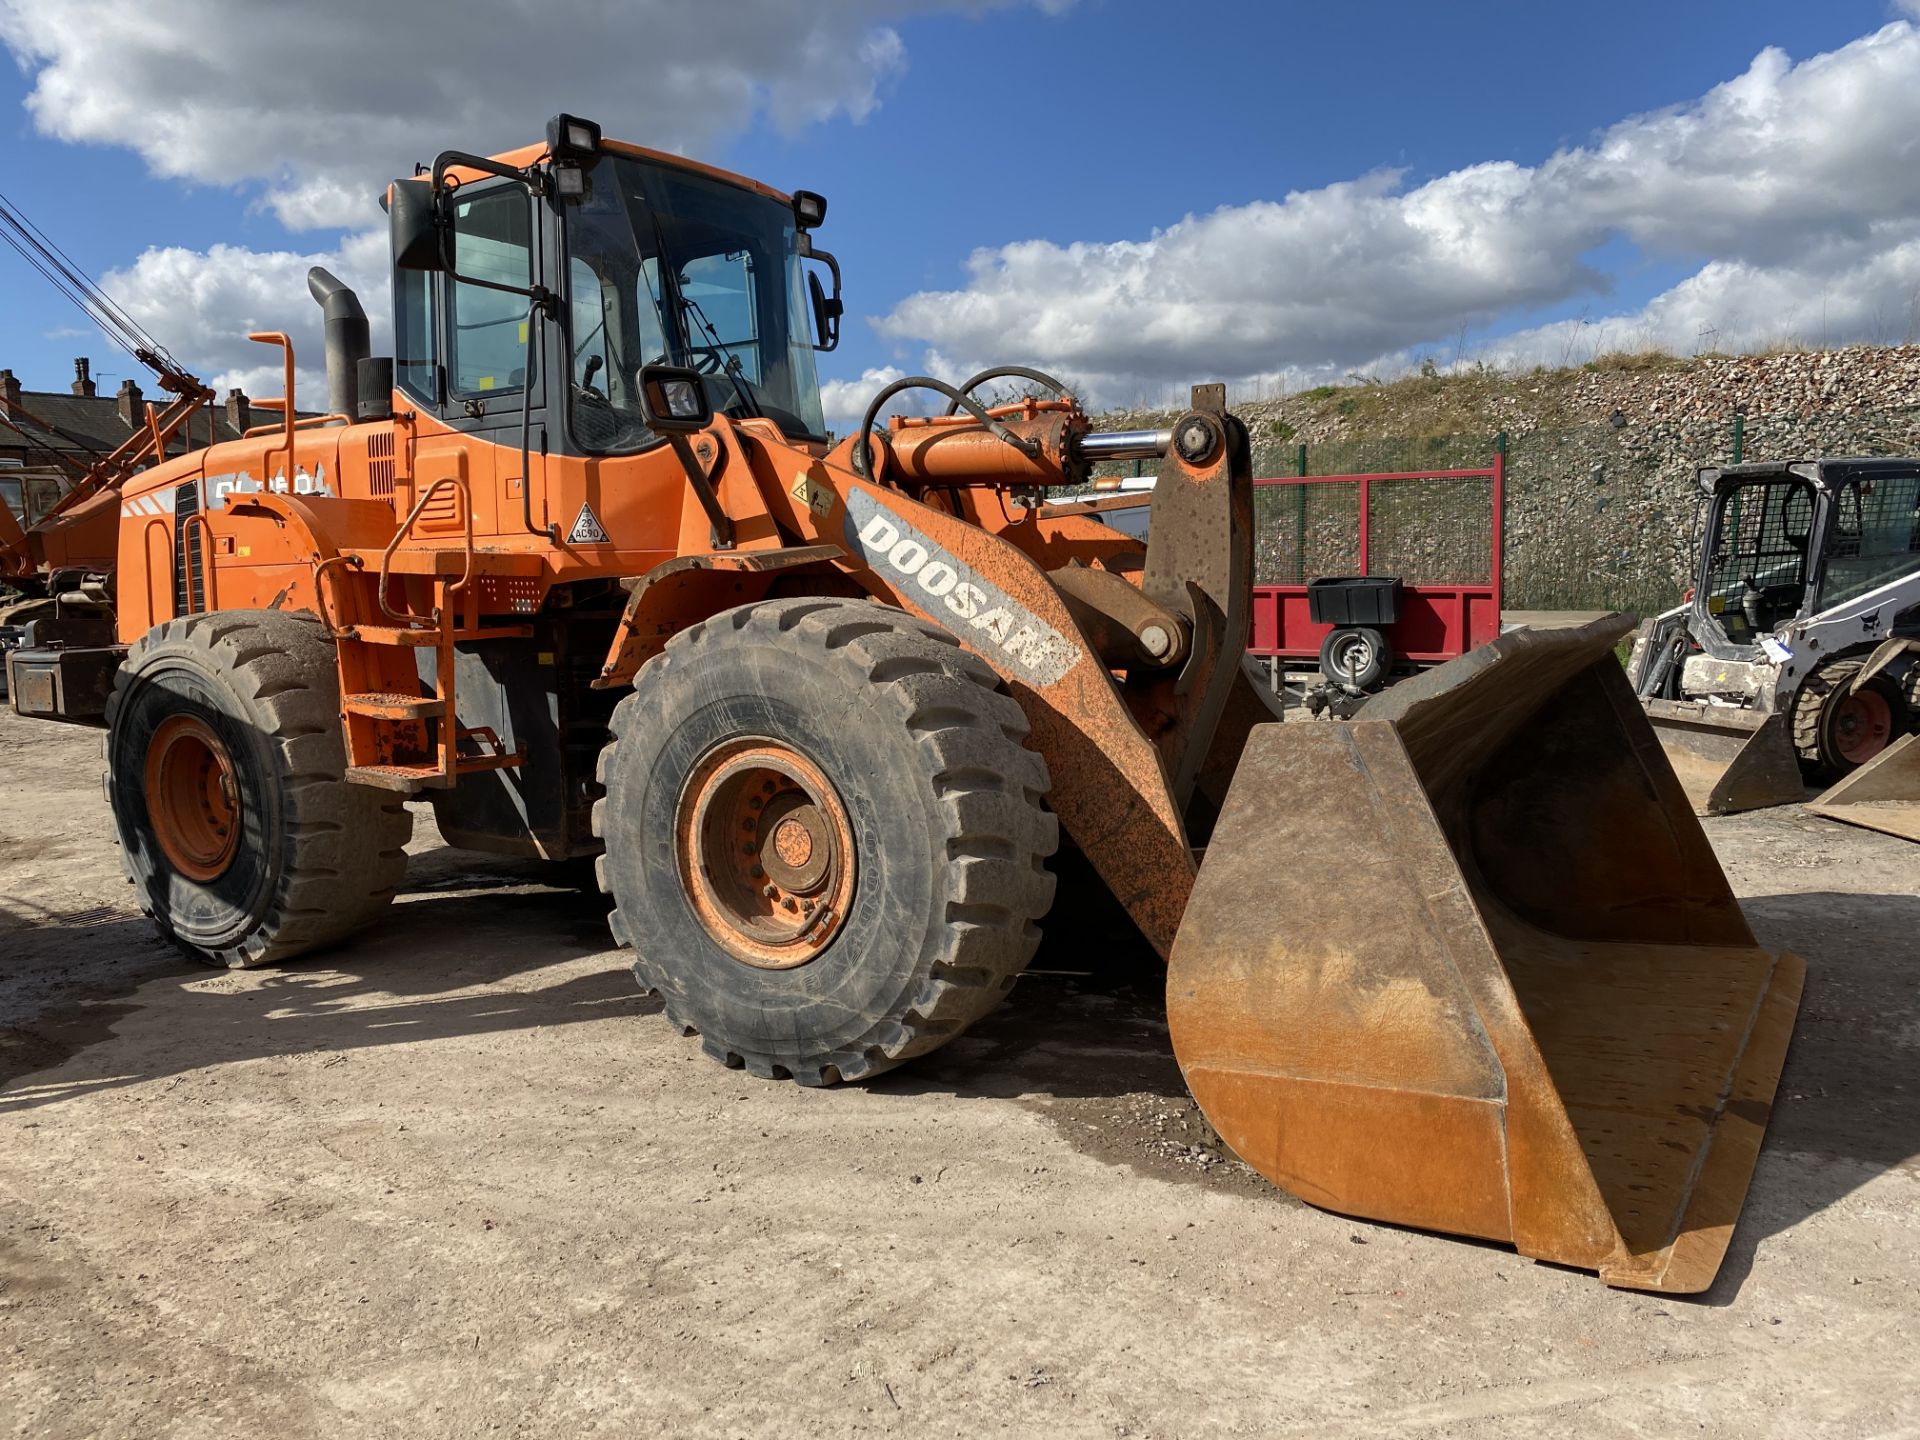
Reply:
x=1716, y=604
x=245, y=550
x=545, y=657
x=811, y=493
x=486, y=382
x=523, y=332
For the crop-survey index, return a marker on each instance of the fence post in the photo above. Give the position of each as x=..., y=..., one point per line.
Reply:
x=1499, y=527
x=1739, y=437
x=1300, y=517
x=1366, y=522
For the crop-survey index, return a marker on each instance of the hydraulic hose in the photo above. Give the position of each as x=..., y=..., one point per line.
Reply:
x=1014, y=372
x=862, y=448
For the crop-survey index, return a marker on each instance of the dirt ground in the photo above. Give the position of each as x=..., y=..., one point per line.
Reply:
x=459, y=1179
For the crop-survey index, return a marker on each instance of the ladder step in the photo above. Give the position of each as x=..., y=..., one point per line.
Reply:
x=387, y=706
x=408, y=635
x=405, y=778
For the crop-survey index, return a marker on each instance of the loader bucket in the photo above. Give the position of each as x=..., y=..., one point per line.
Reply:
x=1467, y=963
x=1883, y=794
x=1728, y=760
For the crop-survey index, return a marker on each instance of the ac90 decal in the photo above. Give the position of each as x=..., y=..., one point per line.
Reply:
x=943, y=585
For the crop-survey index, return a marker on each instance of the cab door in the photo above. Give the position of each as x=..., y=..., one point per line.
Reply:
x=464, y=358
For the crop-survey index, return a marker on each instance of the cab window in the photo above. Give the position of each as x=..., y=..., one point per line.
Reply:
x=416, y=352
x=1875, y=535
x=487, y=333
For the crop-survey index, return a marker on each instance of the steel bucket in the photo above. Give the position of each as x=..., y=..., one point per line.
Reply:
x=1467, y=963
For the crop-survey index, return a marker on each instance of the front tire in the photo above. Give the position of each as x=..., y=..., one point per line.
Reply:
x=824, y=839
x=1835, y=729
x=225, y=768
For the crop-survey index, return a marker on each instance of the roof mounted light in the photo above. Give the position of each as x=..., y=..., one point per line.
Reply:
x=809, y=209
x=571, y=138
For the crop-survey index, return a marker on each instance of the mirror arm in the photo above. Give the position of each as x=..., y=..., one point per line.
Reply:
x=828, y=340
x=705, y=488
x=531, y=177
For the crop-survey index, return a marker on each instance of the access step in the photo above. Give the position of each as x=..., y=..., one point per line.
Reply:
x=409, y=635
x=386, y=706
x=409, y=779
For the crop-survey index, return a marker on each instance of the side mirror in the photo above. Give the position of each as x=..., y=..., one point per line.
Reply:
x=827, y=309
x=413, y=222
x=674, y=400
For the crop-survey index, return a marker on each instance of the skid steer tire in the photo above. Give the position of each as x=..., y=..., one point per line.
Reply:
x=224, y=772
x=924, y=817
x=1824, y=714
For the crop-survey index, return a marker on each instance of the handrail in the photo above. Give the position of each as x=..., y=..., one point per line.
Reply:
x=305, y=422
x=320, y=592
x=279, y=337
x=386, y=556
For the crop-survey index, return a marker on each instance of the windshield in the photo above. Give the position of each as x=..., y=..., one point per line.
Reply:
x=668, y=267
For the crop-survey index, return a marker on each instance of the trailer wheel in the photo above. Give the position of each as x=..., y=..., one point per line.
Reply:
x=224, y=772
x=1355, y=655
x=1836, y=732
x=825, y=841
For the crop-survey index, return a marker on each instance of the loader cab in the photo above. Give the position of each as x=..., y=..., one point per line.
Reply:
x=553, y=276
x=1786, y=542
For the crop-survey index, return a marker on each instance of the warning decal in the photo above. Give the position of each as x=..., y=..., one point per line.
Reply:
x=586, y=530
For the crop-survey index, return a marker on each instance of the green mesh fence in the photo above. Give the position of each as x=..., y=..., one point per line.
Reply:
x=1598, y=517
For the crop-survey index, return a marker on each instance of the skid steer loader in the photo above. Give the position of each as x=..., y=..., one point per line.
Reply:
x=582, y=570
x=1796, y=658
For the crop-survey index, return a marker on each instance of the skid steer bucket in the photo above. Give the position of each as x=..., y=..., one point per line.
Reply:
x=1728, y=760
x=1883, y=794
x=1468, y=964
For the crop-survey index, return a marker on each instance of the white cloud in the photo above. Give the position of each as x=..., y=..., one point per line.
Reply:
x=1795, y=186
x=202, y=304
x=845, y=401
x=323, y=105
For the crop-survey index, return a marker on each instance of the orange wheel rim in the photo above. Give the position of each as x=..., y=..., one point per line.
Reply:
x=192, y=798
x=766, y=853
x=1862, y=726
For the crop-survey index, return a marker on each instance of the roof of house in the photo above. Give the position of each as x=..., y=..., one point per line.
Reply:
x=82, y=422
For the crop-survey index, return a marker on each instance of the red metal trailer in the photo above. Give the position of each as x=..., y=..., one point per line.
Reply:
x=1437, y=531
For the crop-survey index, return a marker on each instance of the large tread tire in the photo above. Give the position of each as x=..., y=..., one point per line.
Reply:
x=317, y=857
x=1813, y=717
x=945, y=804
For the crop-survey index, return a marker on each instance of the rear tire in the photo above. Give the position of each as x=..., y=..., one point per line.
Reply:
x=920, y=867
x=1835, y=732
x=225, y=768
x=1355, y=655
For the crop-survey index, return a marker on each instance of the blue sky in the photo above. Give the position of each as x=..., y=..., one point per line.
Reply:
x=1075, y=133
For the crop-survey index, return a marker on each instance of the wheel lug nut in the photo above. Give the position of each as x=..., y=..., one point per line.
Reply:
x=770, y=891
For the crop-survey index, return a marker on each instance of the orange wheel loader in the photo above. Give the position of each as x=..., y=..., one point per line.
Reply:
x=582, y=569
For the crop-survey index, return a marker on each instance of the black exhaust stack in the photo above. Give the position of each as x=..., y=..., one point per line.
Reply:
x=347, y=341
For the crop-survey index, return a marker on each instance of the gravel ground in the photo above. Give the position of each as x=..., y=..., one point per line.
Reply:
x=460, y=1179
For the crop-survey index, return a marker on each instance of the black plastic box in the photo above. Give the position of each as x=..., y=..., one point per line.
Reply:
x=1354, y=600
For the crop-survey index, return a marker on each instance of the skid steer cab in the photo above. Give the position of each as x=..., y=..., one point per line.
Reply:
x=581, y=569
x=1796, y=658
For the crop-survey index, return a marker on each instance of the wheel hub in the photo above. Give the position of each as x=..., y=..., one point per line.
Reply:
x=193, y=797
x=1862, y=726
x=766, y=852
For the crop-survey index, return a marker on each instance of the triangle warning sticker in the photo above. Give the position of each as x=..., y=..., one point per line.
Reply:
x=586, y=530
